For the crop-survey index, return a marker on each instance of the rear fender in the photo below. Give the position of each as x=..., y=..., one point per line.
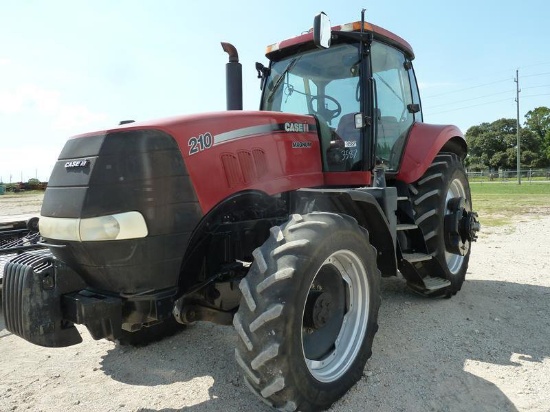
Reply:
x=424, y=143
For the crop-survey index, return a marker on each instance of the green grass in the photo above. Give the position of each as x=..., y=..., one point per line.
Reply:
x=513, y=179
x=500, y=204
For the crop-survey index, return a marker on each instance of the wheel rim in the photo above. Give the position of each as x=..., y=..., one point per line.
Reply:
x=332, y=342
x=454, y=261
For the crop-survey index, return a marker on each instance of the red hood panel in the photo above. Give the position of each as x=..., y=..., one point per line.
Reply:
x=233, y=151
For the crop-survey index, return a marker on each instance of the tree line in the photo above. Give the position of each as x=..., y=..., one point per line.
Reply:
x=494, y=145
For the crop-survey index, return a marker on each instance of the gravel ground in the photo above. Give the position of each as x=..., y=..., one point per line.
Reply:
x=486, y=349
x=11, y=204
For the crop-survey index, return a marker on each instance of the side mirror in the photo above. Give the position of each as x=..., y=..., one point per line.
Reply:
x=263, y=72
x=413, y=108
x=321, y=31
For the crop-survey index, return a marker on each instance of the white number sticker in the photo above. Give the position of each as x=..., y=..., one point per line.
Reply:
x=198, y=144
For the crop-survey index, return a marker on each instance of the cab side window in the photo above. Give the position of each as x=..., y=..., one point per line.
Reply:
x=393, y=97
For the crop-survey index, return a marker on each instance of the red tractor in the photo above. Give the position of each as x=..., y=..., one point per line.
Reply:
x=280, y=221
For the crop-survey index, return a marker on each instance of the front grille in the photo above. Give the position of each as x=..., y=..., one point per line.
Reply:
x=125, y=170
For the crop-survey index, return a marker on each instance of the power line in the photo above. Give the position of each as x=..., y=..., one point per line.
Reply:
x=474, y=105
x=536, y=87
x=535, y=64
x=486, y=84
x=489, y=95
x=499, y=72
x=467, y=100
x=484, y=104
x=537, y=95
x=469, y=88
x=533, y=75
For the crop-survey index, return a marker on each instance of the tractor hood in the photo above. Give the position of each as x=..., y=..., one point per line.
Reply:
x=227, y=152
x=221, y=152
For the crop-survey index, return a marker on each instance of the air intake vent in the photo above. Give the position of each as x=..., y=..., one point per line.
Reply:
x=244, y=168
x=247, y=166
x=260, y=161
x=232, y=170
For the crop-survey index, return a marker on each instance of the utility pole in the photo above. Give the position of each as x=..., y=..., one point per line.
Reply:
x=517, y=127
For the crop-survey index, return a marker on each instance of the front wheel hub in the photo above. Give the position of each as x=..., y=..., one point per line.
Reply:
x=461, y=227
x=324, y=312
x=319, y=308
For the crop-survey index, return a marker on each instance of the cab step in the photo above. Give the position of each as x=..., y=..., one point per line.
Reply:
x=416, y=257
x=430, y=286
x=435, y=283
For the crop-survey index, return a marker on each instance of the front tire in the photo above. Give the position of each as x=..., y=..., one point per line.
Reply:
x=309, y=312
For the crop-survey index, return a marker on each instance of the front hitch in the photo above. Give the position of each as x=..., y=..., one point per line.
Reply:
x=460, y=226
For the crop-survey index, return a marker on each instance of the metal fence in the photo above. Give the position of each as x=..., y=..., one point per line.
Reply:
x=505, y=175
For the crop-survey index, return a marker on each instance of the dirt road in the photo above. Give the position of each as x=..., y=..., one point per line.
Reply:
x=486, y=349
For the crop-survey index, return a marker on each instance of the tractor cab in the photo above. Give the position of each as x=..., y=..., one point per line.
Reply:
x=360, y=87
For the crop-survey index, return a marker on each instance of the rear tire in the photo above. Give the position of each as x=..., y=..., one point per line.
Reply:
x=309, y=312
x=444, y=180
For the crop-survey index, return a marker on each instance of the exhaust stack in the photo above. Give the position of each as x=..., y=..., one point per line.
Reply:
x=233, y=78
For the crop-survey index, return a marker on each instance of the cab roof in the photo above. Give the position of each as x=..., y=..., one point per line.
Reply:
x=276, y=49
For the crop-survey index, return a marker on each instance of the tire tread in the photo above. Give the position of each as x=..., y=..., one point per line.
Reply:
x=261, y=353
x=428, y=196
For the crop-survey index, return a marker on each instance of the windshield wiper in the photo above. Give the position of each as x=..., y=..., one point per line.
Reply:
x=281, y=77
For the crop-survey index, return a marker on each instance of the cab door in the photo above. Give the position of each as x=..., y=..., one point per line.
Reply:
x=396, y=106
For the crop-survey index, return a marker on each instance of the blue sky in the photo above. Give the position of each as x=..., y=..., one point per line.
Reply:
x=68, y=67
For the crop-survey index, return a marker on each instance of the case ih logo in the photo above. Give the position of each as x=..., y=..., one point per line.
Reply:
x=76, y=163
x=296, y=127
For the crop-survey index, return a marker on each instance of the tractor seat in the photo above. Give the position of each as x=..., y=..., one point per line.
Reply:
x=388, y=132
x=351, y=138
x=347, y=131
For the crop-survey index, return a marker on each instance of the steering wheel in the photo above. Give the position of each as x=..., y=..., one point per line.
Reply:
x=326, y=112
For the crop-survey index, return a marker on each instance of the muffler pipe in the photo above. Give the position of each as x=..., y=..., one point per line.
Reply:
x=233, y=78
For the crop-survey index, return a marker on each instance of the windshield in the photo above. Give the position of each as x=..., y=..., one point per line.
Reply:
x=319, y=82
x=324, y=83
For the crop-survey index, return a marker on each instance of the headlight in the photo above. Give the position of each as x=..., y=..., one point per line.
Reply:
x=129, y=225
x=99, y=228
x=59, y=228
